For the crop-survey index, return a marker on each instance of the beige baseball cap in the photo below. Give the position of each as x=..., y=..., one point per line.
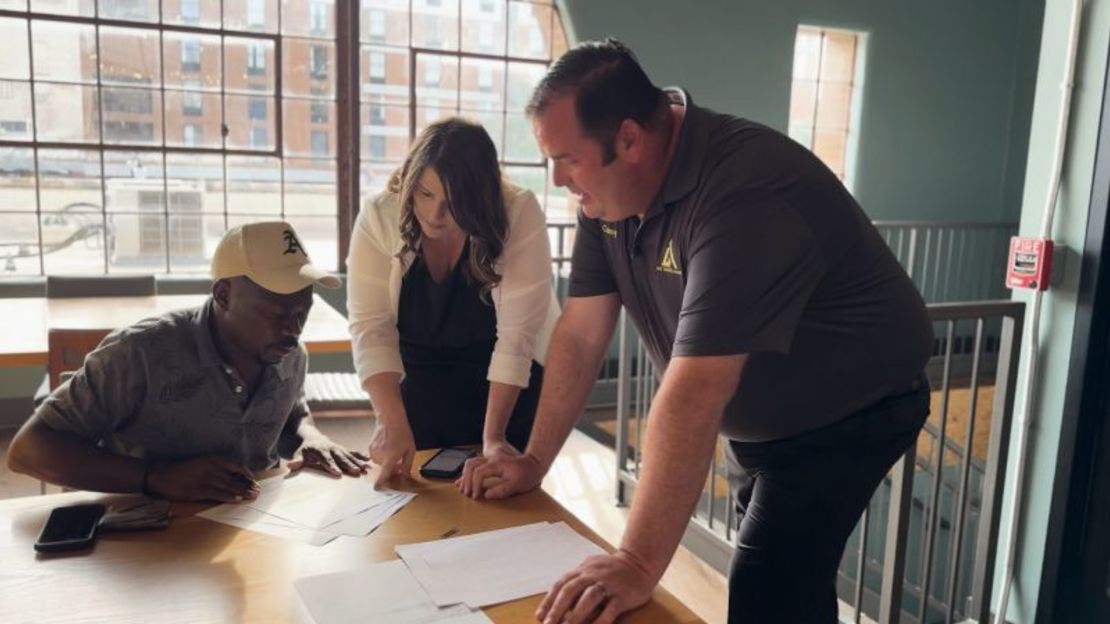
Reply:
x=271, y=255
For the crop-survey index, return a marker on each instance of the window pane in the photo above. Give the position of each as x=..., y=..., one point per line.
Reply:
x=830, y=147
x=64, y=52
x=531, y=178
x=129, y=180
x=838, y=57
x=203, y=174
x=66, y=113
x=308, y=18
x=520, y=145
x=374, y=177
x=483, y=26
x=437, y=81
x=130, y=56
x=192, y=61
x=15, y=111
x=17, y=181
x=560, y=206
x=435, y=24
x=558, y=38
x=310, y=187
x=250, y=122
x=86, y=8
x=834, y=106
x=193, y=240
x=523, y=78
x=19, y=244
x=251, y=15
x=132, y=116
x=302, y=135
x=13, y=49
x=249, y=65
x=483, y=85
x=132, y=10
x=193, y=119
x=807, y=54
x=384, y=75
x=253, y=185
x=803, y=102
x=319, y=239
x=530, y=34
x=385, y=21
x=385, y=132
x=309, y=68
x=72, y=220
x=203, y=13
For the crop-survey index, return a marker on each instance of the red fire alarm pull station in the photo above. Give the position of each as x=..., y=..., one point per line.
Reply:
x=1030, y=263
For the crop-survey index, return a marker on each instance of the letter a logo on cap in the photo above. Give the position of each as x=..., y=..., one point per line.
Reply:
x=294, y=245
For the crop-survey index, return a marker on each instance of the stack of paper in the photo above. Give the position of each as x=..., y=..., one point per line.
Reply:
x=312, y=508
x=383, y=593
x=496, y=566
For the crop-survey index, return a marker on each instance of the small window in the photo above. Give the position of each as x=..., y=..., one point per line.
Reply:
x=190, y=55
x=377, y=114
x=256, y=13
x=318, y=112
x=260, y=138
x=190, y=11
x=319, y=62
x=377, y=67
x=256, y=59
x=192, y=134
x=824, y=95
x=257, y=108
x=192, y=104
x=318, y=18
x=319, y=143
x=377, y=25
x=377, y=146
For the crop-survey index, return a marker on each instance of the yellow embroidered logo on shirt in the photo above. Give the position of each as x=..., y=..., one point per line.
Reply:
x=669, y=263
x=609, y=230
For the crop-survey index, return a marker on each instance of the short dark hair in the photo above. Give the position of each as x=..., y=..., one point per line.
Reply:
x=609, y=86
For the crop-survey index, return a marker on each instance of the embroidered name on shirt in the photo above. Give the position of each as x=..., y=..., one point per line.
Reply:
x=609, y=230
x=669, y=263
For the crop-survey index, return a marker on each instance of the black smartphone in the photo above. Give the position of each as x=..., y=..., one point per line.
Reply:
x=447, y=463
x=70, y=528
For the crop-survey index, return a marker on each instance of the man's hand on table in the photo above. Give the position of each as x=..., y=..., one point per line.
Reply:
x=598, y=590
x=500, y=476
x=320, y=452
x=201, y=479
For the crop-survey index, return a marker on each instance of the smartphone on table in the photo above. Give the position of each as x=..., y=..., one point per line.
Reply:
x=447, y=463
x=70, y=528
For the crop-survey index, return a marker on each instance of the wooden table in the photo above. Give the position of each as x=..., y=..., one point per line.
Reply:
x=27, y=320
x=202, y=571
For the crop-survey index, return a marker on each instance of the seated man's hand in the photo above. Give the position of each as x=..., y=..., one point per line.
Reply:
x=500, y=476
x=319, y=451
x=202, y=478
x=598, y=590
x=392, y=448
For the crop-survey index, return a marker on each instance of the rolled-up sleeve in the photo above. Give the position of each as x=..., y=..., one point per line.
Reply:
x=375, y=342
x=102, y=395
x=525, y=297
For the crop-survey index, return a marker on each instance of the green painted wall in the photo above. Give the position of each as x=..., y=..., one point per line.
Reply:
x=1058, y=311
x=945, y=112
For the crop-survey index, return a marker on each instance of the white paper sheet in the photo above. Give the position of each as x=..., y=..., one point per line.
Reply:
x=384, y=592
x=317, y=499
x=496, y=566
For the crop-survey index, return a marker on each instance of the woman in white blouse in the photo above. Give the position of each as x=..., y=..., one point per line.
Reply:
x=450, y=301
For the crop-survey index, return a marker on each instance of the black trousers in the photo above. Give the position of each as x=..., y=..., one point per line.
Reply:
x=800, y=498
x=446, y=404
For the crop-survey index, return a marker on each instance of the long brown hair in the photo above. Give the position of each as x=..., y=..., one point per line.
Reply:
x=463, y=156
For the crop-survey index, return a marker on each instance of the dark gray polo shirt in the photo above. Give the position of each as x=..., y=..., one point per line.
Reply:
x=753, y=246
x=159, y=390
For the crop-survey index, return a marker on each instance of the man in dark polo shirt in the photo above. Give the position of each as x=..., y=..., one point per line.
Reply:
x=774, y=310
x=187, y=405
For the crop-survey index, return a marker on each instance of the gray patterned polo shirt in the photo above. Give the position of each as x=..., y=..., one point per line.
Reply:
x=158, y=389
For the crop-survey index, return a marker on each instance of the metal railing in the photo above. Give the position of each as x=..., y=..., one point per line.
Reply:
x=952, y=261
x=937, y=512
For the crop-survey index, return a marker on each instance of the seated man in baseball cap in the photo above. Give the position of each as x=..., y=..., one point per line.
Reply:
x=186, y=406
